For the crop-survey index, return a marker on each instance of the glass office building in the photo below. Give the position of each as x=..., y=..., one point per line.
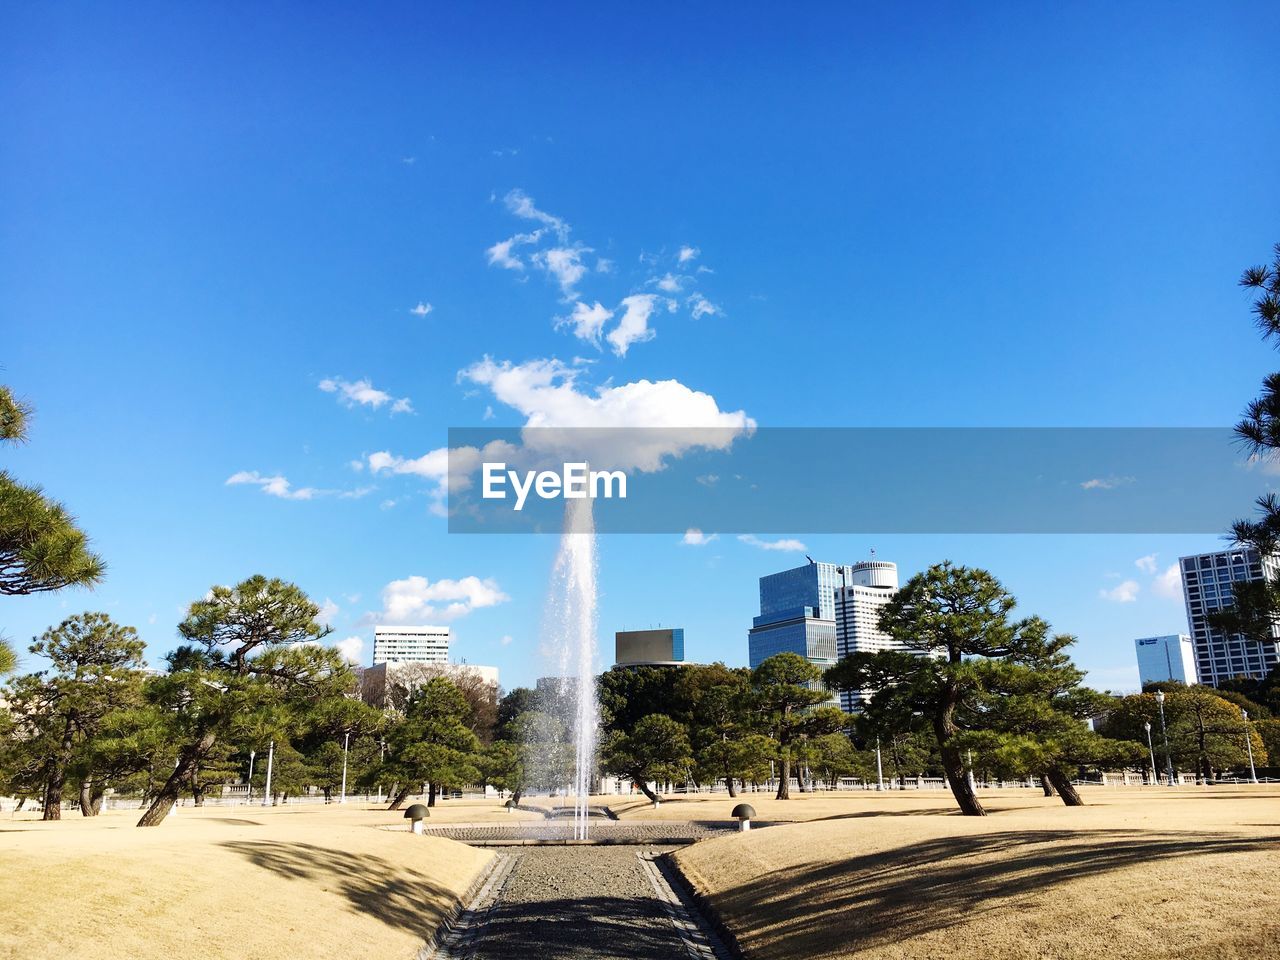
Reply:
x=797, y=615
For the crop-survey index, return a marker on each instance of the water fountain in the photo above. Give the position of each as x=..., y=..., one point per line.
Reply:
x=571, y=640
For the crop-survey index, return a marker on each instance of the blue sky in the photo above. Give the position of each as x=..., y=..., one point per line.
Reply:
x=927, y=216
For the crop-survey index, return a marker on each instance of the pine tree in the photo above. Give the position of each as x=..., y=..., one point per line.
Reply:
x=95, y=671
x=786, y=687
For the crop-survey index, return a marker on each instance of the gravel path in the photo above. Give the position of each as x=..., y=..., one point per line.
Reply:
x=579, y=902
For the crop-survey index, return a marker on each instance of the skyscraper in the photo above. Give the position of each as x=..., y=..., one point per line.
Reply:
x=410, y=644
x=648, y=648
x=797, y=615
x=1207, y=580
x=1166, y=658
x=863, y=590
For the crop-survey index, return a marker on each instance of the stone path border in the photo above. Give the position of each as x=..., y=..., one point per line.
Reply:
x=456, y=937
x=699, y=939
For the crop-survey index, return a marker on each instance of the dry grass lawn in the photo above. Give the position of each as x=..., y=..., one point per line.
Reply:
x=248, y=882
x=1188, y=873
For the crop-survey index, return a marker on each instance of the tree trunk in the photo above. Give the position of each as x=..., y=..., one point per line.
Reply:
x=515, y=797
x=401, y=796
x=1066, y=789
x=952, y=764
x=95, y=801
x=431, y=794
x=1046, y=785
x=728, y=782
x=644, y=788
x=188, y=760
x=87, y=807
x=53, y=793
x=784, y=778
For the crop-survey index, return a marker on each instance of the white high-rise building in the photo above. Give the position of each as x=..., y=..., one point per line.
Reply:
x=1207, y=580
x=410, y=644
x=1171, y=657
x=864, y=589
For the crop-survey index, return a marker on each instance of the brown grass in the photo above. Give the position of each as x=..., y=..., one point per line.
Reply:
x=1138, y=873
x=248, y=882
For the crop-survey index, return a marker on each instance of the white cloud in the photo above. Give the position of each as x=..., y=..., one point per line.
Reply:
x=1169, y=583
x=364, y=393
x=794, y=546
x=488, y=413
x=506, y=640
x=328, y=610
x=701, y=307
x=669, y=283
x=708, y=479
x=351, y=648
x=274, y=486
x=603, y=265
x=419, y=600
x=1146, y=564
x=694, y=537
x=547, y=394
x=565, y=266
x=522, y=205
x=634, y=325
x=688, y=253
x=356, y=465
x=1106, y=483
x=422, y=309
x=1125, y=592
x=587, y=322
x=500, y=254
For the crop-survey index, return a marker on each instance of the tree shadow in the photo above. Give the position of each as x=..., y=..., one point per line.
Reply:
x=398, y=896
x=890, y=896
x=591, y=926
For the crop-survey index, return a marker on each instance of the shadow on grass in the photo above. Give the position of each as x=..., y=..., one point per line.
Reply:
x=397, y=895
x=887, y=897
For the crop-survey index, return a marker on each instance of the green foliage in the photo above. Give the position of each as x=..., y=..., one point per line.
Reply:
x=545, y=753
x=41, y=549
x=14, y=414
x=59, y=713
x=960, y=650
x=628, y=696
x=1206, y=733
x=785, y=687
x=250, y=675
x=433, y=743
x=657, y=749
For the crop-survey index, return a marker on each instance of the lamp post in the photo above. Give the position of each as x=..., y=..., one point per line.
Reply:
x=879, y=767
x=1155, y=777
x=1248, y=745
x=346, y=742
x=252, y=754
x=271, y=756
x=1164, y=732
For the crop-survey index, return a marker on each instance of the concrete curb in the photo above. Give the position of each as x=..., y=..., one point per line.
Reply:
x=675, y=876
x=449, y=921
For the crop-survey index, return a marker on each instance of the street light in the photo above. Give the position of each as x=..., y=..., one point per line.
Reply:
x=1155, y=777
x=271, y=756
x=879, y=767
x=1248, y=745
x=1164, y=732
x=252, y=754
x=346, y=742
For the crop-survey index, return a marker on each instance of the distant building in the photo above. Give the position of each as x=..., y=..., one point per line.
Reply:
x=863, y=590
x=1171, y=657
x=797, y=615
x=1207, y=580
x=389, y=684
x=406, y=644
x=649, y=648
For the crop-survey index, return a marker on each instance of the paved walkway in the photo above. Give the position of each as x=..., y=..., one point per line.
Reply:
x=575, y=903
x=600, y=831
